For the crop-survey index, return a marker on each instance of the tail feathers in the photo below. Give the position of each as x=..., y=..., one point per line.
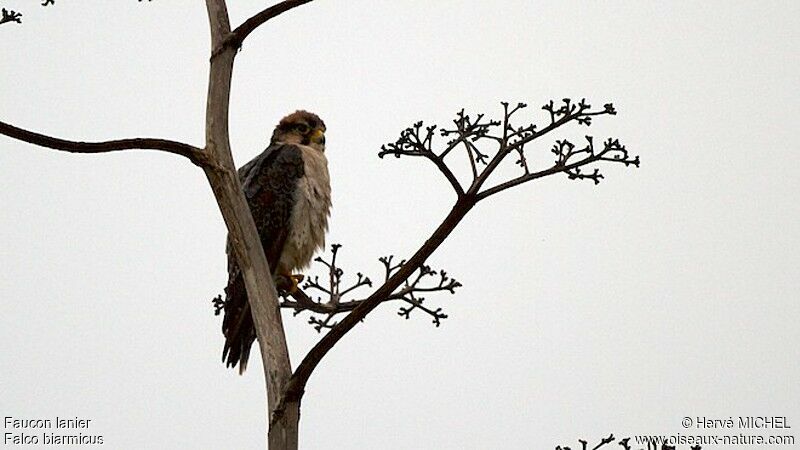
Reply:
x=237, y=325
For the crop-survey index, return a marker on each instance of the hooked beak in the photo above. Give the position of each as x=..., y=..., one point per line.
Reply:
x=318, y=137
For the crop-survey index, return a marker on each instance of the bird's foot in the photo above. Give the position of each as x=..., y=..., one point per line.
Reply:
x=296, y=280
x=289, y=283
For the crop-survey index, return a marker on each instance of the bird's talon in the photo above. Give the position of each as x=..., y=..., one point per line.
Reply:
x=289, y=283
x=296, y=280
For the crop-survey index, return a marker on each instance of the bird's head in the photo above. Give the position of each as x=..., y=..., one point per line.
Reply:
x=301, y=127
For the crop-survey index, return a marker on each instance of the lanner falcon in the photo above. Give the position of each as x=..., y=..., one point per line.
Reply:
x=288, y=189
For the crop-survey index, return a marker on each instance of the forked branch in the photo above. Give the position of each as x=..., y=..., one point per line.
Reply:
x=412, y=143
x=236, y=38
x=486, y=143
x=331, y=296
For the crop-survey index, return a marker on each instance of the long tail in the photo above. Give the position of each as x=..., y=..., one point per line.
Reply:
x=237, y=325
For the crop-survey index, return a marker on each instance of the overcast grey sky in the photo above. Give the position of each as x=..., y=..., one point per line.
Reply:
x=664, y=292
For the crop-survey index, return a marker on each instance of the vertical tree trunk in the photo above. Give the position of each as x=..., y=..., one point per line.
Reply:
x=284, y=429
x=249, y=254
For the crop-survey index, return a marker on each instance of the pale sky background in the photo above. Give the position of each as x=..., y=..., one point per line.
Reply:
x=664, y=292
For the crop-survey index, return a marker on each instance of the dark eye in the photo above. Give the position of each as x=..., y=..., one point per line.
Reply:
x=302, y=128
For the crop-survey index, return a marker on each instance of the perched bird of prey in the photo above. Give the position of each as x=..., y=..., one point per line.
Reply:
x=288, y=189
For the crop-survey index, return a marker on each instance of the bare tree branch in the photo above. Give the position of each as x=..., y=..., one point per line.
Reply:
x=236, y=38
x=568, y=112
x=466, y=130
x=625, y=444
x=410, y=143
x=10, y=16
x=603, y=442
x=406, y=281
x=426, y=281
x=613, y=151
x=261, y=293
x=195, y=155
x=217, y=162
x=300, y=377
x=416, y=303
x=413, y=141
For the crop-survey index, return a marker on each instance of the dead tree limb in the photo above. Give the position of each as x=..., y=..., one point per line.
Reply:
x=217, y=163
x=263, y=298
x=468, y=134
x=196, y=156
x=235, y=38
x=424, y=282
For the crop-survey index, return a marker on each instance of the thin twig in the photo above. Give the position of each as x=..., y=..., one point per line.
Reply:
x=414, y=142
x=300, y=301
x=411, y=144
x=10, y=16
